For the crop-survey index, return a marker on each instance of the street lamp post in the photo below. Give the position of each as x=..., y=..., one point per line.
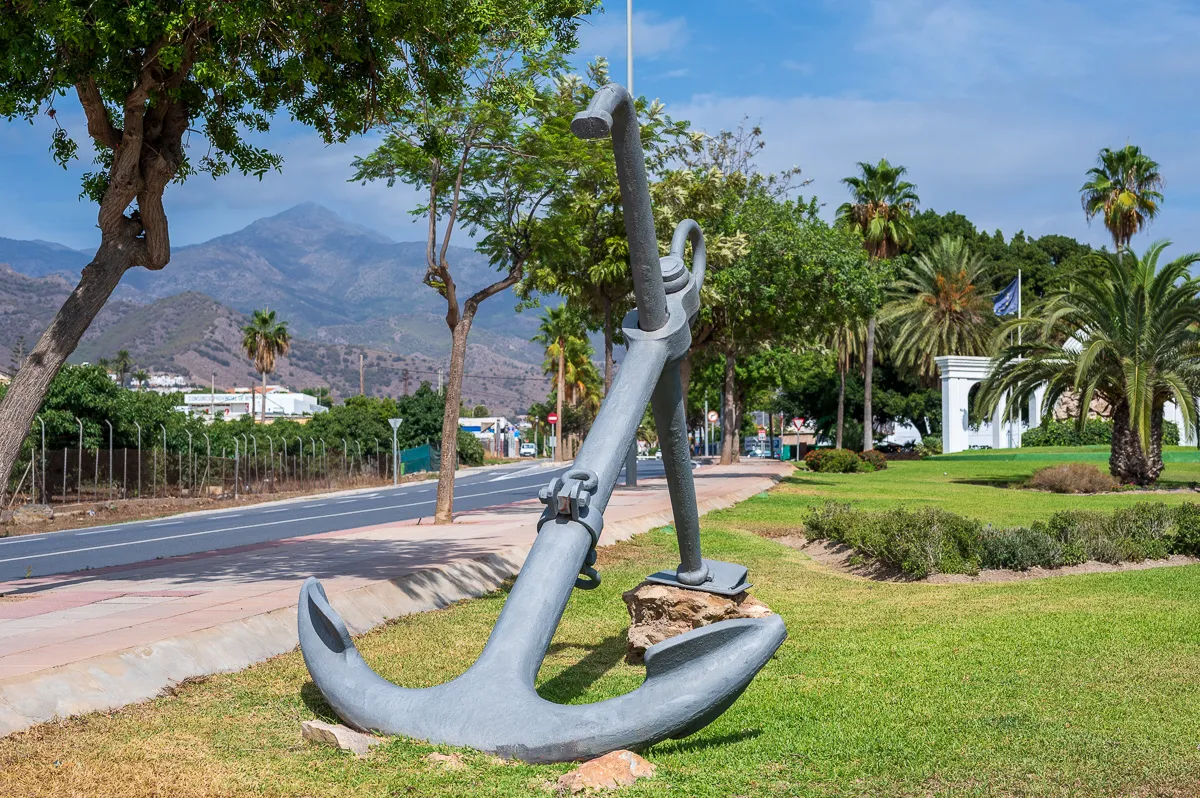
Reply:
x=395, y=422
x=139, y=429
x=79, y=467
x=110, y=466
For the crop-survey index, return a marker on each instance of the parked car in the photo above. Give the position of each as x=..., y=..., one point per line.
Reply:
x=528, y=450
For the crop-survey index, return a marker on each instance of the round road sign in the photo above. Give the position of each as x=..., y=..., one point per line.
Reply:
x=712, y=416
x=552, y=418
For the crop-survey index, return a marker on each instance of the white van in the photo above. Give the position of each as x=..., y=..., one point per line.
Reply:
x=528, y=450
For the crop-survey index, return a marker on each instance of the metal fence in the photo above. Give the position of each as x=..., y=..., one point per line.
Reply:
x=79, y=475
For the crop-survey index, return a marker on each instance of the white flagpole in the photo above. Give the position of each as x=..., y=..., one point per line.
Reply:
x=1018, y=305
x=629, y=45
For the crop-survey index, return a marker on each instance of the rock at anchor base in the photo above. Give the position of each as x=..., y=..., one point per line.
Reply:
x=318, y=731
x=609, y=772
x=658, y=612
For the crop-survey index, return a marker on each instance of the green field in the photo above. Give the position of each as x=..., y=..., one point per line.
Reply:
x=1080, y=685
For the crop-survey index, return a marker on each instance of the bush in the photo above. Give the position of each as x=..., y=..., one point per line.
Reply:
x=1021, y=548
x=1187, y=529
x=929, y=446
x=920, y=542
x=834, y=461
x=1072, y=478
x=470, y=450
x=876, y=459
x=1096, y=432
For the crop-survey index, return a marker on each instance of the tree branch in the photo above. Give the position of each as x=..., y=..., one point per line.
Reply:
x=99, y=123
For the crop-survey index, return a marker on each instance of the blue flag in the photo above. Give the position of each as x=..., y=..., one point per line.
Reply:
x=1008, y=301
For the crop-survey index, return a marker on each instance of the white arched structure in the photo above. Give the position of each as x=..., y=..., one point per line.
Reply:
x=959, y=375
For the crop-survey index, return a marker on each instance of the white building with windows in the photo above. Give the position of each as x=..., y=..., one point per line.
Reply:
x=281, y=403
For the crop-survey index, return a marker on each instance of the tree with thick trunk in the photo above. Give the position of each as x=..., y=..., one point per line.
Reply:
x=170, y=89
x=489, y=161
x=1131, y=329
x=730, y=418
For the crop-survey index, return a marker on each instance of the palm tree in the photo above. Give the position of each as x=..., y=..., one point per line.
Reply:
x=939, y=307
x=1125, y=189
x=882, y=212
x=844, y=341
x=122, y=363
x=1130, y=328
x=141, y=376
x=560, y=327
x=265, y=339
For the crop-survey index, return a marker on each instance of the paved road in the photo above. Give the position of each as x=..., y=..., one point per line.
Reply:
x=121, y=544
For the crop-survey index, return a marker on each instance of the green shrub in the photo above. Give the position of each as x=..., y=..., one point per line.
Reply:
x=1021, y=548
x=1072, y=478
x=834, y=461
x=920, y=542
x=876, y=459
x=1187, y=529
x=929, y=446
x=1096, y=432
x=470, y=450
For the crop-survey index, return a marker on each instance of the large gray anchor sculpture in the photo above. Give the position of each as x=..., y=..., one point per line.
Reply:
x=690, y=679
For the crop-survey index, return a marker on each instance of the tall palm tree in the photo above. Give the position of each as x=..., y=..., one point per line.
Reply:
x=939, y=307
x=1132, y=340
x=122, y=363
x=264, y=339
x=1125, y=189
x=844, y=341
x=881, y=210
x=141, y=377
x=555, y=332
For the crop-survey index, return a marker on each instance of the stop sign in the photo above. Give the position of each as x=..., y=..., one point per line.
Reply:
x=552, y=418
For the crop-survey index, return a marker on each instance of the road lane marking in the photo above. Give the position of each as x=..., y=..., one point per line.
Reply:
x=166, y=523
x=92, y=532
x=345, y=501
x=236, y=528
x=318, y=504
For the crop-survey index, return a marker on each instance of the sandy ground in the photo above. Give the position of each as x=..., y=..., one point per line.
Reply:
x=841, y=558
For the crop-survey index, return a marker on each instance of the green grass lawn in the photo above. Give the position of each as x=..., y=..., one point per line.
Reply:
x=1082, y=685
x=968, y=484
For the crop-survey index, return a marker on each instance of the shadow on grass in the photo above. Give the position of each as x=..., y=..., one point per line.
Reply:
x=1011, y=482
x=576, y=679
x=693, y=744
x=311, y=695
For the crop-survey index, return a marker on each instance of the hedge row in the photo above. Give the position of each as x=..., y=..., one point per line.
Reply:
x=929, y=540
x=844, y=461
x=1096, y=432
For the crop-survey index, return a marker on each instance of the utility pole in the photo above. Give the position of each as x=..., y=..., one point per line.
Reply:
x=439, y=379
x=212, y=398
x=362, y=391
x=396, y=422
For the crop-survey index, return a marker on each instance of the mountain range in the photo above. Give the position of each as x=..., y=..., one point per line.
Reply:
x=345, y=291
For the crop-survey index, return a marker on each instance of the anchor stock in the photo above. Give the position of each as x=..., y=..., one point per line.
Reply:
x=690, y=679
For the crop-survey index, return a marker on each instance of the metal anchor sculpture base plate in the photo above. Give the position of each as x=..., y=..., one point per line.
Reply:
x=725, y=579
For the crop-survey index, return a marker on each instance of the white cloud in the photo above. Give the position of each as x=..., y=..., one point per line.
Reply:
x=653, y=36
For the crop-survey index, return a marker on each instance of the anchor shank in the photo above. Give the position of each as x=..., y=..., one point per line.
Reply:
x=535, y=605
x=615, y=428
x=670, y=419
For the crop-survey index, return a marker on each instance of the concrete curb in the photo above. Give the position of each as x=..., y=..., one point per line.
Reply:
x=138, y=674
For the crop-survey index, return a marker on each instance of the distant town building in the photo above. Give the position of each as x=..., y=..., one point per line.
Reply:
x=496, y=433
x=281, y=403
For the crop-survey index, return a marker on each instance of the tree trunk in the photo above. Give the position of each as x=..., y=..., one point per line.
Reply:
x=562, y=389
x=841, y=411
x=1127, y=461
x=263, y=401
x=30, y=384
x=444, y=514
x=868, y=373
x=608, y=346
x=252, y=404
x=729, y=421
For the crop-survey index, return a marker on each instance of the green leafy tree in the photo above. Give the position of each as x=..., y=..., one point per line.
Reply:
x=488, y=161
x=175, y=88
x=1131, y=340
x=1125, y=190
x=881, y=211
x=939, y=308
x=264, y=340
x=123, y=363
x=142, y=377
x=585, y=257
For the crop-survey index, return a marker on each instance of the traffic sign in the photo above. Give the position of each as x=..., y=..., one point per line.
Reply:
x=395, y=422
x=713, y=416
x=797, y=423
x=762, y=434
x=552, y=418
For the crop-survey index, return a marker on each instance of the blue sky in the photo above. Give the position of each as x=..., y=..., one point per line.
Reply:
x=997, y=108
